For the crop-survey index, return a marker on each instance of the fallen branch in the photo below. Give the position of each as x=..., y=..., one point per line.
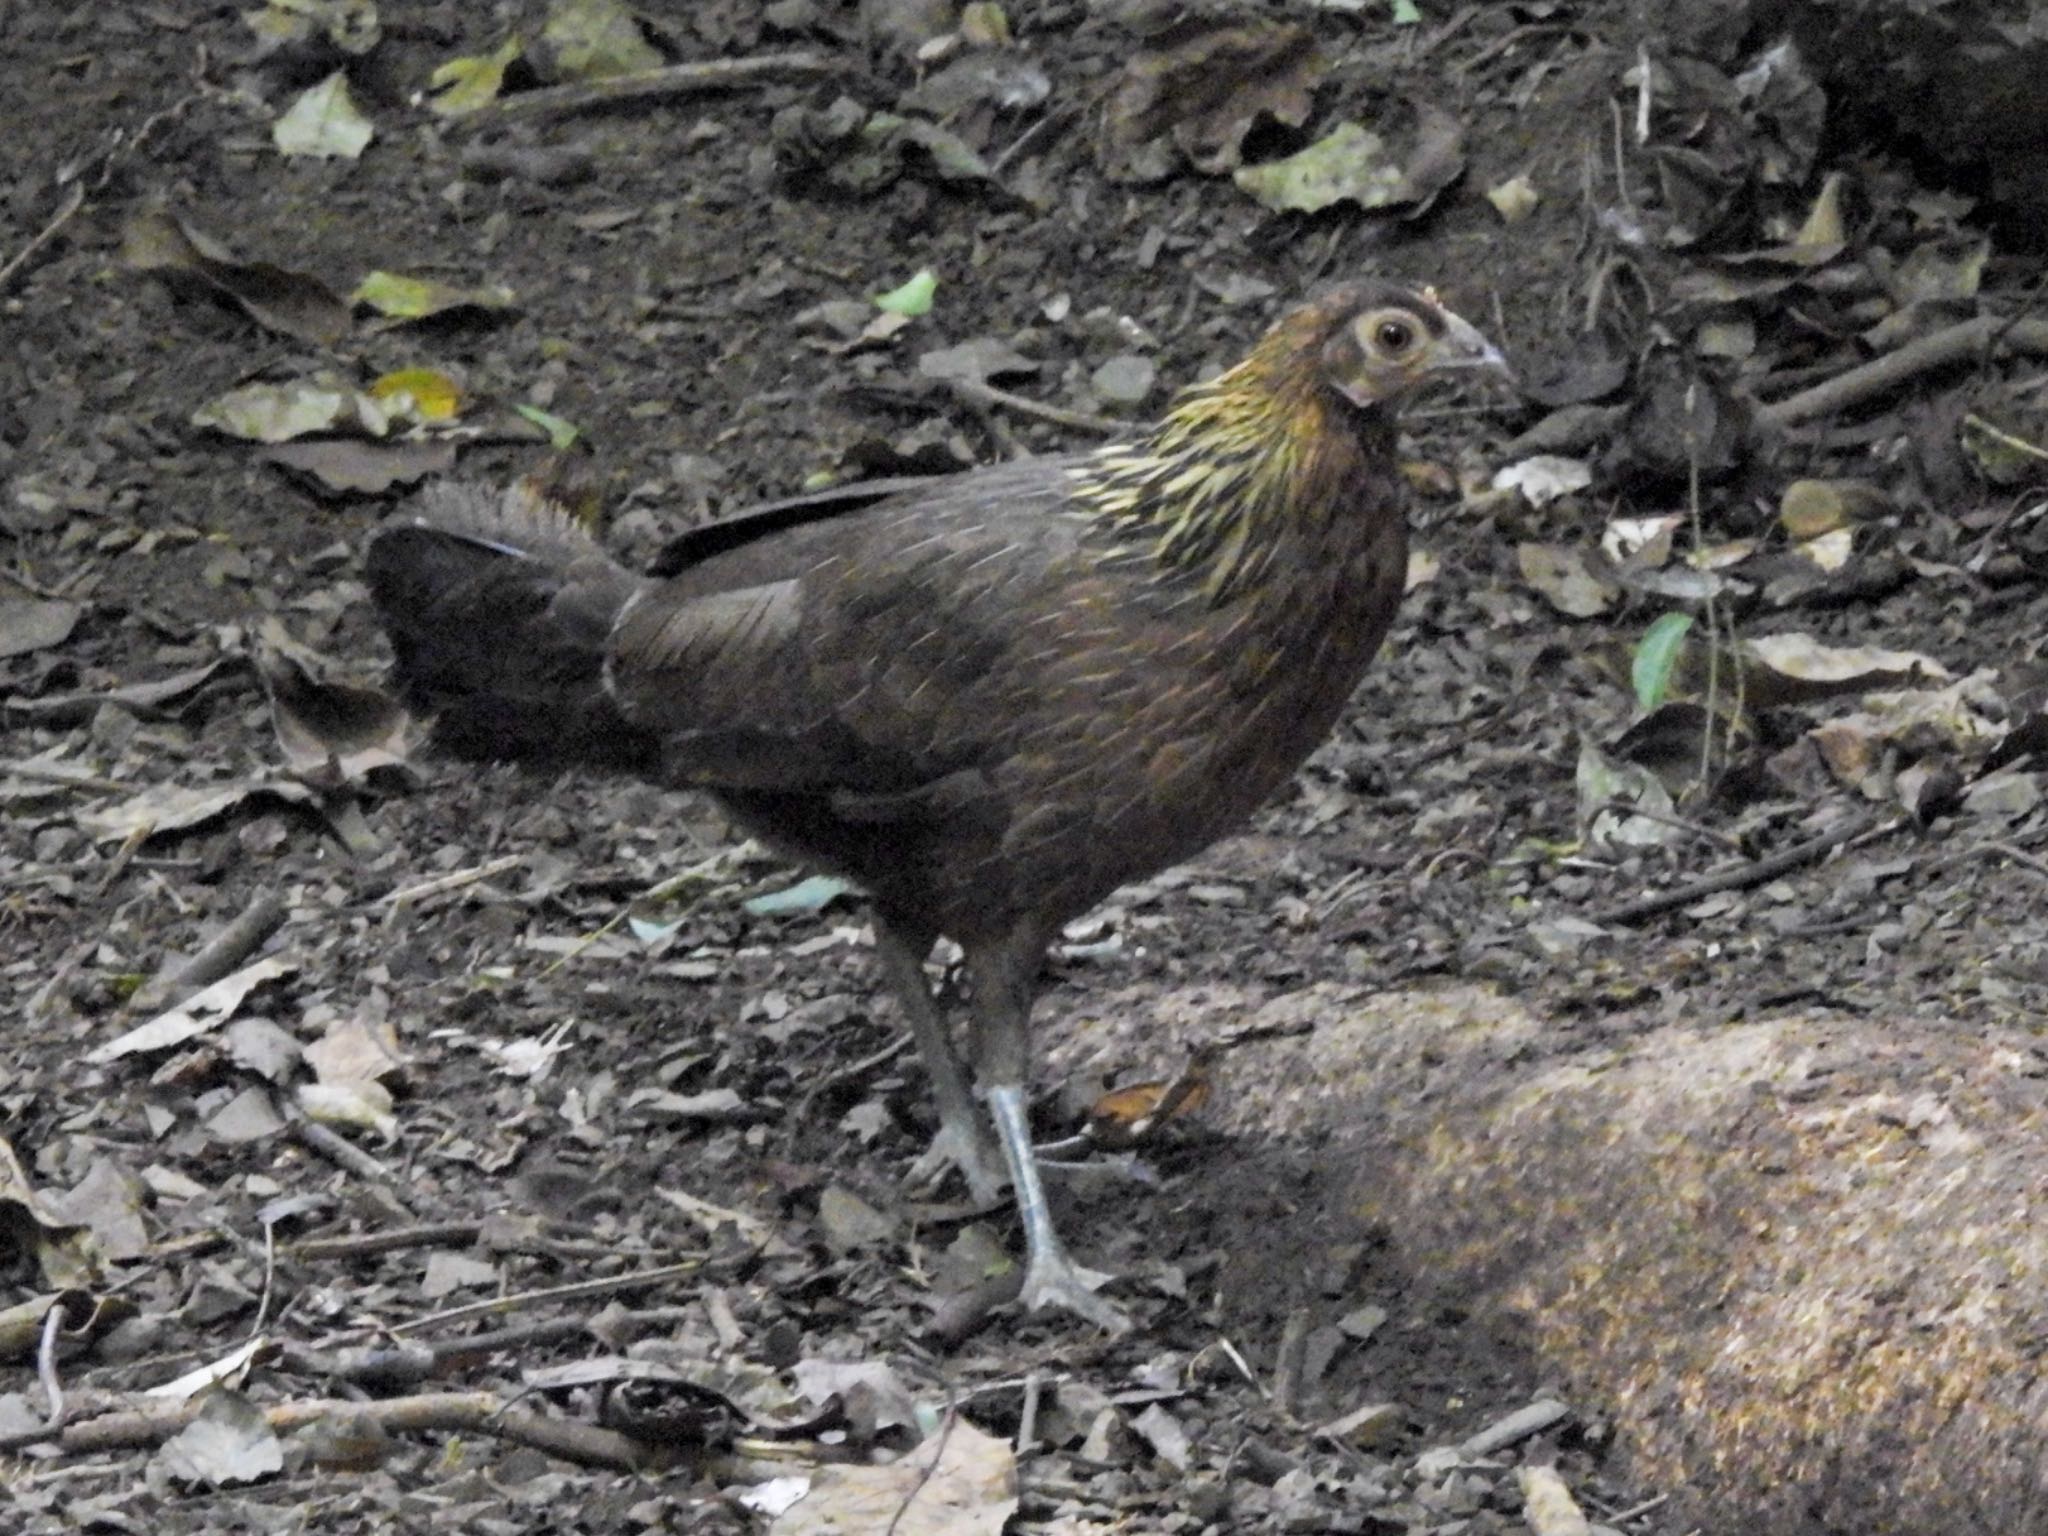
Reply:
x=481, y=1413
x=1986, y=335
x=652, y=85
x=1741, y=876
x=219, y=955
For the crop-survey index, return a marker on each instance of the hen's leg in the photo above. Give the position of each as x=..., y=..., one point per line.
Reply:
x=962, y=1141
x=1003, y=979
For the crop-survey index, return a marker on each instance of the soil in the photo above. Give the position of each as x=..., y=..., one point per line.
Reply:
x=744, y=1059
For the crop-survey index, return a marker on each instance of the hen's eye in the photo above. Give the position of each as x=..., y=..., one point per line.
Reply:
x=1394, y=335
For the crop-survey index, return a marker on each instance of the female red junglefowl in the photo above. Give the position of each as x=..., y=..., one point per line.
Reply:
x=990, y=701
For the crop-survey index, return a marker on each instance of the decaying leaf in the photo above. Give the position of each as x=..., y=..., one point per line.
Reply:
x=1515, y=199
x=293, y=408
x=65, y=1252
x=596, y=39
x=352, y=26
x=361, y=1105
x=229, y=1442
x=1126, y=1115
x=1355, y=164
x=1201, y=93
x=1608, y=790
x=351, y=465
x=178, y=807
x=324, y=123
x=1790, y=668
x=959, y=1482
x=1568, y=579
x=288, y=302
x=1544, y=477
x=331, y=733
x=204, y=1010
x=35, y=624
x=356, y=1049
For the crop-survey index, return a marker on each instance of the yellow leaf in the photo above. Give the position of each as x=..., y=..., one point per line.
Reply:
x=471, y=83
x=434, y=396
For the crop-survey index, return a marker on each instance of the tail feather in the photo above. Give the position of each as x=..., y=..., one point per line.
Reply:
x=499, y=608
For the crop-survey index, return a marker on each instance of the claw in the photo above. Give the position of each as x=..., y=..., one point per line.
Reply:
x=1054, y=1280
x=969, y=1152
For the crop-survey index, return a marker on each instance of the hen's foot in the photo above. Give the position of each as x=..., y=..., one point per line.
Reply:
x=967, y=1150
x=1054, y=1280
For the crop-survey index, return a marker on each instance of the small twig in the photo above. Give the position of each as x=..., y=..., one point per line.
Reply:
x=2019, y=856
x=471, y=1412
x=1743, y=876
x=987, y=394
x=269, y=1280
x=1289, y=1357
x=1027, y=1416
x=440, y=885
x=355, y=1245
x=73, y=201
x=1029, y=136
x=46, y=1367
x=1637, y=1511
x=652, y=85
x=350, y=1157
x=1922, y=355
x=801, y=1114
x=219, y=955
x=123, y=856
x=498, y=1306
x=1502, y=44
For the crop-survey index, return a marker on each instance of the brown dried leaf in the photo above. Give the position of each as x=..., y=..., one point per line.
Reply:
x=332, y=733
x=960, y=1482
x=292, y=303
x=1204, y=91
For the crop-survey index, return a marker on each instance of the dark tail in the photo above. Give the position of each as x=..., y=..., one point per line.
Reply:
x=498, y=606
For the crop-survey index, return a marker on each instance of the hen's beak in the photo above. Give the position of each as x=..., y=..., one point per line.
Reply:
x=1461, y=346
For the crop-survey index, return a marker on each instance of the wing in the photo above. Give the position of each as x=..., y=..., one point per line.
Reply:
x=867, y=655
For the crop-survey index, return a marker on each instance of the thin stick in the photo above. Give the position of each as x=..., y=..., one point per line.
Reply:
x=1742, y=875
x=218, y=956
x=652, y=85
x=437, y=1234
x=73, y=201
x=440, y=885
x=610, y=1285
x=474, y=1412
x=987, y=394
x=46, y=1367
x=346, y=1155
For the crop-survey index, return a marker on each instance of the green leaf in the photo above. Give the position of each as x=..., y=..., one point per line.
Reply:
x=913, y=298
x=1405, y=13
x=1657, y=658
x=561, y=434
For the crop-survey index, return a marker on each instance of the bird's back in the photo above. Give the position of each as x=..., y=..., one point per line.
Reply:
x=988, y=701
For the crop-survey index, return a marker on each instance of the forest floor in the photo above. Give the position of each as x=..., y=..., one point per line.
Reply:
x=681, y=1138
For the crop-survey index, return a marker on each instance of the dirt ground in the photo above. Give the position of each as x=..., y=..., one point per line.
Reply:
x=714, y=1085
